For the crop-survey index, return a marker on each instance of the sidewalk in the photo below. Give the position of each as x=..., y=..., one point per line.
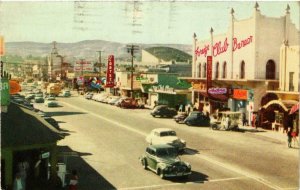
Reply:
x=275, y=135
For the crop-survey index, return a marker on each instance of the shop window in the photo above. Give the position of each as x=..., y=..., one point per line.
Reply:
x=270, y=70
x=242, y=73
x=204, y=70
x=199, y=70
x=217, y=70
x=224, y=70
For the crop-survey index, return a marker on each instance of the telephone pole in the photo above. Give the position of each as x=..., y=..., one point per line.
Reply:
x=99, y=62
x=131, y=49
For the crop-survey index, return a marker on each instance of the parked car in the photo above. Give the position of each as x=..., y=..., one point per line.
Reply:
x=197, y=118
x=113, y=100
x=66, y=93
x=163, y=111
x=180, y=117
x=30, y=96
x=51, y=103
x=118, y=103
x=50, y=97
x=129, y=103
x=164, y=161
x=89, y=95
x=166, y=136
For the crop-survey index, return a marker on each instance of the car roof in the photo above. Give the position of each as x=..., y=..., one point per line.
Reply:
x=162, y=129
x=160, y=146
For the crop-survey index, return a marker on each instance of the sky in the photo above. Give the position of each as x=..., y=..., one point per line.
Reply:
x=126, y=21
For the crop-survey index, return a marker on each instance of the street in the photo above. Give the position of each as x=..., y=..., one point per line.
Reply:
x=110, y=141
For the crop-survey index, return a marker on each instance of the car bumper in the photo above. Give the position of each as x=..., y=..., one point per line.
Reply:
x=180, y=174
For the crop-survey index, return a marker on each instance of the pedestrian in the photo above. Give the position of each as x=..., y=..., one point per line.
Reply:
x=227, y=122
x=253, y=119
x=73, y=181
x=294, y=132
x=244, y=120
x=23, y=166
x=289, y=136
x=18, y=183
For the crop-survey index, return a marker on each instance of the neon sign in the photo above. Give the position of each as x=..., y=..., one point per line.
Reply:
x=242, y=43
x=218, y=48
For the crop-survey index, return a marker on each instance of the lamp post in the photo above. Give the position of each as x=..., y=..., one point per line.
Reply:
x=81, y=62
x=131, y=49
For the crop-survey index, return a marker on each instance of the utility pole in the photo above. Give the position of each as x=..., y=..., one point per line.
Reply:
x=81, y=62
x=99, y=62
x=131, y=49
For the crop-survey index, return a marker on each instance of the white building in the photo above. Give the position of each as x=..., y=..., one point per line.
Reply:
x=245, y=60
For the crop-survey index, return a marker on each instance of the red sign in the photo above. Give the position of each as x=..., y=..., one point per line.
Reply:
x=1, y=45
x=14, y=87
x=240, y=94
x=209, y=72
x=110, y=80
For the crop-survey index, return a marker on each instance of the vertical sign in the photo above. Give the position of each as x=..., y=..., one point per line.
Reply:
x=209, y=73
x=1, y=45
x=110, y=80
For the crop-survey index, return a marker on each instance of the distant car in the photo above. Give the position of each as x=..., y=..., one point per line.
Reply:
x=197, y=118
x=163, y=111
x=113, y=100
x=129, y=103
x=52, y=122
x=164, y=161
x=88, y=95
x=50, y=98
x=39, y=99
x=51, y=103
x=179, y=118
x=30, y=96
x=166, y=136
x=66, y=93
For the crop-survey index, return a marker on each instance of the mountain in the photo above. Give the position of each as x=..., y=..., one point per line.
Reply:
x=84, y=49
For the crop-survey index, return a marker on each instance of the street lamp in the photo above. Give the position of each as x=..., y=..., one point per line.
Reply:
x=131, y=49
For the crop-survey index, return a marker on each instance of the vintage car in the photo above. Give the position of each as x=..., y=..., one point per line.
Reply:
x=180, y=117
x=164, y=161
x=163, y=111
x=51, y=103
x=227, y=121
x=66, y=93
x=197, y=118
x=129, y=103
x=89, y=95
x=39, y=99
x=166, y=136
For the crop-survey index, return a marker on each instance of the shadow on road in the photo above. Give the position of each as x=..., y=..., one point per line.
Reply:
x=89, y=178
x=195, y=177
x=251, y=130
x=190, y=151
x=61, y=113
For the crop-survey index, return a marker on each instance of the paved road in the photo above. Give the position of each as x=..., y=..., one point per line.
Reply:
x=110, y=140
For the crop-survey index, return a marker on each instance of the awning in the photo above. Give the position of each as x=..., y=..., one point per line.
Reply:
x=295, y=108
x=215, y=97
x=278, y=102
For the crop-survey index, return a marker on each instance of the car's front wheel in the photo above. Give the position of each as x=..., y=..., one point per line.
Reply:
x=144, y=163
x=160, y=173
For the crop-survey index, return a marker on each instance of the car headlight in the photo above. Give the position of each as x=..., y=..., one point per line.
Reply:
x=182, y=141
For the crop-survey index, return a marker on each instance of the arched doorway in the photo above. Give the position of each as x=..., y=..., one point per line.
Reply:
x=242, y=73
x=224, y=70
x=217, y=70
x=270, y=69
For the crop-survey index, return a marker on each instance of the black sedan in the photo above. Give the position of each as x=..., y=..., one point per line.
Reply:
x=163, y=111
x=197, y=118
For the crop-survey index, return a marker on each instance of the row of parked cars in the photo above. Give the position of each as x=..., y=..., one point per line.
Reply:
x=123, y=102
x=194, y=118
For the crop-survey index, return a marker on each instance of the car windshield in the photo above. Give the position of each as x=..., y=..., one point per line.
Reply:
x=166, y=152
x=168, y=133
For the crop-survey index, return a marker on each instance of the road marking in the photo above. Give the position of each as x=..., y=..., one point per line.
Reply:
x=206, y=158
x=178, y=184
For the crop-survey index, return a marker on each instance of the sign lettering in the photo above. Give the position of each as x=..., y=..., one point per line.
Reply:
x=240, y=94
x=217, y=90
x=110, y=81
x=218, y=48
x=242, y=43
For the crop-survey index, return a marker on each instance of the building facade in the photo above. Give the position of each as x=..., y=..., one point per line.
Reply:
x=245, y=60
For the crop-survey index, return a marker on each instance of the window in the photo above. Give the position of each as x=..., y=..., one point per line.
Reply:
x=199, y=70
x=242, y=73
x=270, y=69
x=224, y=70
x=291, y=79
x=204, y=70
x=217, y=70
